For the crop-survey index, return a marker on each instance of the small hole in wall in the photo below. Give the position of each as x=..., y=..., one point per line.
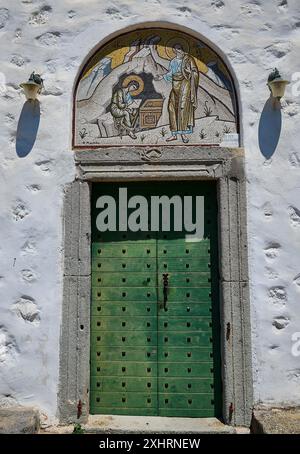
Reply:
x=81, y=327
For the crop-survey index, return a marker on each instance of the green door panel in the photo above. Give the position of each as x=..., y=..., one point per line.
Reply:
x=149, y=294
x=124, y=265
x=124, y=338
x=183, y=369
x=189, y=295
x=185, y=385
x=189, y=280
x=187, y=309
x=182, y=339
x=131, y=354
x=191, y=401
x=124, y=384
x=117, y=250
x=139, y=279
x=182, y=264
x=119, y=368
x=184, y=354
x=150, y=357
x=137, y=323
x=141, y=294
x=136, y=308
x=130, y=308
x=178, y=324
x=126, y=399
x=182, y=249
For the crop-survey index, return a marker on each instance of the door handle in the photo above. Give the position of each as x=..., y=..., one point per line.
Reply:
x=166, y=288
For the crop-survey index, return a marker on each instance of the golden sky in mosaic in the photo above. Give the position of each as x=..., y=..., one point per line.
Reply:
x=120, y=46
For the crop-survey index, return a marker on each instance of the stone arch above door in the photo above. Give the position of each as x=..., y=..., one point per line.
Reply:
x=149, y=85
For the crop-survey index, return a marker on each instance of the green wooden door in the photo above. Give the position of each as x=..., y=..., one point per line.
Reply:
x=155, y=347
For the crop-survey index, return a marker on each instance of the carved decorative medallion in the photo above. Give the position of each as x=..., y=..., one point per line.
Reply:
x=151, y=155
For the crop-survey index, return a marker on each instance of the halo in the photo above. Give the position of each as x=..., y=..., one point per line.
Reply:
x=138, y=80
x=176, y=40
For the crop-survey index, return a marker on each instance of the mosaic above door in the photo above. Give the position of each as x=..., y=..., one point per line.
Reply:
x=154, y=87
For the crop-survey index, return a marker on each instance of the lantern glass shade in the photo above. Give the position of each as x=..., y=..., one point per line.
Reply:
x=31, y=90
x=277, y=87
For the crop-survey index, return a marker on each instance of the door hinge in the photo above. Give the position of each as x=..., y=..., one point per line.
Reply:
x=231, y=410
x=228, y=331
x=79, y=409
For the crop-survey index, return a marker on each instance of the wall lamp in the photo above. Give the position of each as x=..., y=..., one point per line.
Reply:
x=277, y=84
x=33, y=86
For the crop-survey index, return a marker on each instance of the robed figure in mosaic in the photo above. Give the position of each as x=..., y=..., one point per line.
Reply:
x=122, y=99
x=184, y=75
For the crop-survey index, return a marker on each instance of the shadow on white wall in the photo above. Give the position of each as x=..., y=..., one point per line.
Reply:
x=28, y=126
x=269, y=127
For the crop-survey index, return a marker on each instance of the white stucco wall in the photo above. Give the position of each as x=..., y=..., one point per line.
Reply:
x=54, y=38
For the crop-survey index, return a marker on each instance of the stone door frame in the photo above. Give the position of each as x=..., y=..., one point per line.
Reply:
x=122, y=164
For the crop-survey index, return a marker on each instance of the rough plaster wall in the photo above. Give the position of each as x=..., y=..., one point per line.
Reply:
x=54, y=37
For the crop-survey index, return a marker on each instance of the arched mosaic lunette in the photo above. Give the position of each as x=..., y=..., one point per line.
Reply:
x=155, y=87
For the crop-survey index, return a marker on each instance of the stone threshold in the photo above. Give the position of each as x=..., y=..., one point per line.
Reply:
x=111, y=424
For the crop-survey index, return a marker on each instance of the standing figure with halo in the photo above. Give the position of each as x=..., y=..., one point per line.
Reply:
x=183, y=73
